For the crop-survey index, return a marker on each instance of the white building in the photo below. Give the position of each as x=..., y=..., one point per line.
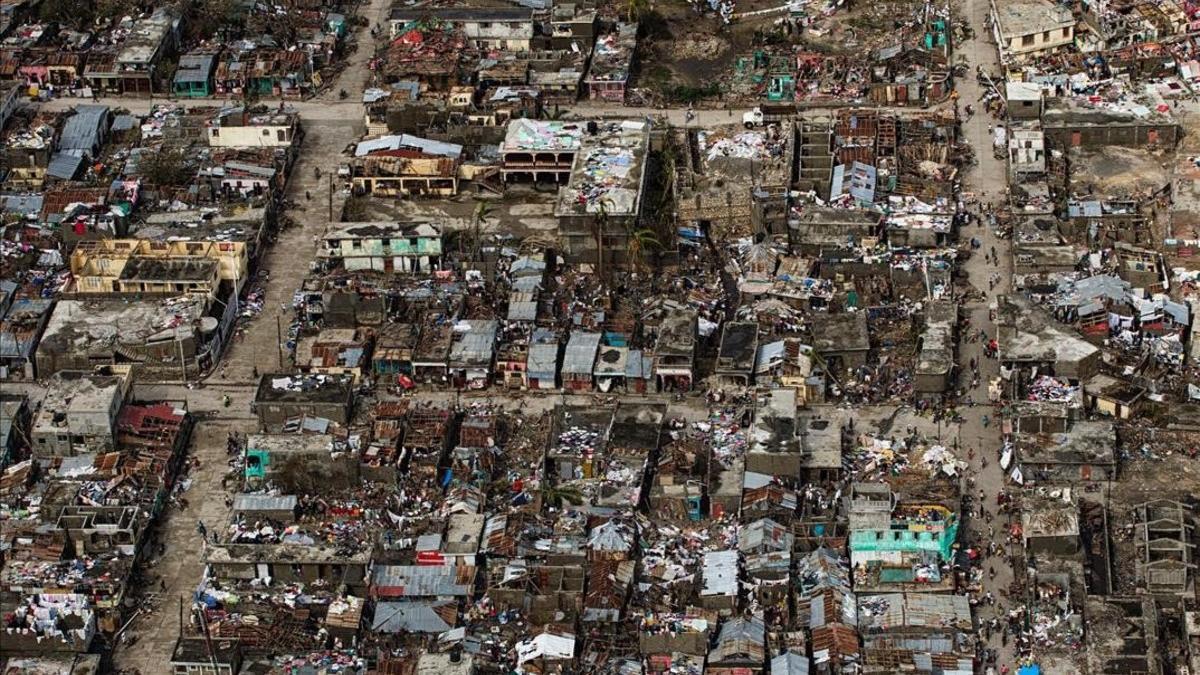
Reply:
x=1025, y=27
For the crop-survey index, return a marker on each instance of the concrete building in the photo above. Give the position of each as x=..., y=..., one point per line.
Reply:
x=384, y=247
x=235, y=128
x=133, y=68
x=1074, y=122
x=79, y=412
x=606, y=184
x=485, y=28
x=539, y=150
x=1027, y=27
x=284, y=397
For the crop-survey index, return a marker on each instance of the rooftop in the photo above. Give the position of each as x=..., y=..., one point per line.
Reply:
x=542, y=135
x=609, y=171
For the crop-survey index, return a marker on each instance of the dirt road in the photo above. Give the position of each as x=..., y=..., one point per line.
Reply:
x=329, y=127
x=987, y=178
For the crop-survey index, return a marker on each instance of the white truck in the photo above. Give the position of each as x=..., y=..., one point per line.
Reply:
x=768, y=114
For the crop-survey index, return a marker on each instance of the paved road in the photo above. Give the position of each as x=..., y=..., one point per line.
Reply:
x=987, y=176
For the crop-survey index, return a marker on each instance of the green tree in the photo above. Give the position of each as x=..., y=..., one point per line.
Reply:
x=166, y=168
x=553, y=495
x=635, y=8
x=638, y=243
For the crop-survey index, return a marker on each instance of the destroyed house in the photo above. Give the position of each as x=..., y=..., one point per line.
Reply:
x=406, y=165
x=285, y=397
x=486, y=28
x=1164, y=538
x=818, y=229
x=385, y=247
x=612, y=62
x=288, y=460
x=842, y=340
x=767, y=547
x=427, y=436
x=675, y=350
x=79, y=412
x=133, y=68
x=285, y=563
x=760, y=162
x=1125, y=635
x=334, y=352
x=259, y=66
x=21, y=326
x=916, y=632
x=1086, y=451
x=431, y=356
x=609, y=585
x=577, y=442
x=737, y=353
x=621, y=470
x=741, y=646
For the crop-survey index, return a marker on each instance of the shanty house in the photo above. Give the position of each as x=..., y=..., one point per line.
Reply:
x=193, y=77
x=541, y=365
x=579, y=360
x=741, y=647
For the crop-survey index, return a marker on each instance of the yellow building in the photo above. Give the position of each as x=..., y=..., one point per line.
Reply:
x=137, y=266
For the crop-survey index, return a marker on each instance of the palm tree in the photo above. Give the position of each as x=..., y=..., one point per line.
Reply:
x=556, y=495
x=600, y=223
x=634, y=9
x=483, y=211
x=638, y=242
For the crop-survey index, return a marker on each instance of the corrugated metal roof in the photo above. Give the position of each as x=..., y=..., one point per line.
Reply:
x=790, y=663
x=250, y=502
x=419, y=581
x=194, y=68
x=581, y=353
x=542, y=360
x=411, y=616
x=64, y=165
x=477, y=342
x=82, y=130
x=395, y=142
x=24, y=205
